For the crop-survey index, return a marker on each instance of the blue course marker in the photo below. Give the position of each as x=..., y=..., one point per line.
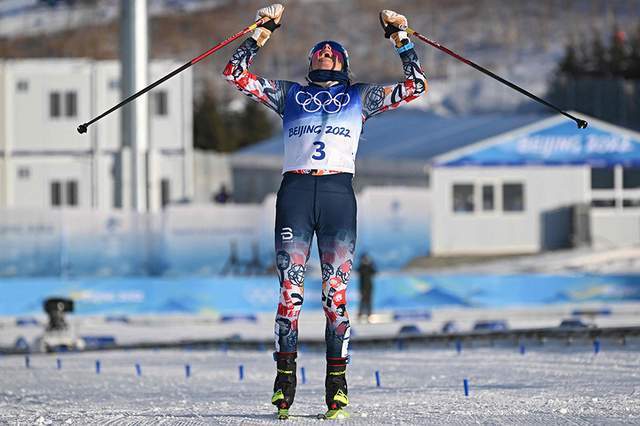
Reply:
x=304, y=376
x=465, y=383
x=458, y=346
x=187, y=371
x=97, y=366
x=59, y=364
x=27, y=361
x=377, y=378
x=596, y=347
x=138, y=370
x=523, y=350
x=241, y=371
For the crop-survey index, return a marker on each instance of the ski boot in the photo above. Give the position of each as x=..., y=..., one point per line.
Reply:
x=336, y=388
x=284, y=387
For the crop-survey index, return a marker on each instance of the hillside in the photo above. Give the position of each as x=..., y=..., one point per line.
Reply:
x=520, y=40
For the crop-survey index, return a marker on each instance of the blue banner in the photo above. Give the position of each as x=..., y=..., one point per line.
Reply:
x=233, y=295
x=560, y=144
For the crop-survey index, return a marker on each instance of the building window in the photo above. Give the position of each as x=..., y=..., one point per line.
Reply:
x=22, y=86
x=602, y=178
x=56, y=194
x=487, y=198
x=513, y=197
x=462, y=198
x=161, y=103
x=64, y=193
x=72, y=193
x=631, y=178
x=603, y=202
x=24, y=173
x=71, y=104
x=54, y=105
x=165, y=192
x=631, y=202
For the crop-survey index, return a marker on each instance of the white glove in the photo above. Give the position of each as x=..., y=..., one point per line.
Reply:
x=263, y=32
x=394, y=25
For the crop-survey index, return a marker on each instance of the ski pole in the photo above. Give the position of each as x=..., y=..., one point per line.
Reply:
x=581, y=123
x=83, y=127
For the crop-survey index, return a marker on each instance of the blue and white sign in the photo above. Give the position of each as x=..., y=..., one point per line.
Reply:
x=561, y=143
x=246, y=295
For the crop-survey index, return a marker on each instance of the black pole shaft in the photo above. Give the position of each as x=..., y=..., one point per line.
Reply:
x=581, y=123
x=83, y=127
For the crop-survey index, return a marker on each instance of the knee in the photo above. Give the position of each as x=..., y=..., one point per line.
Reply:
x=291, y=299
x=334, y=299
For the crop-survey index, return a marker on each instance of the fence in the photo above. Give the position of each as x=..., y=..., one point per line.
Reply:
x=200, y=239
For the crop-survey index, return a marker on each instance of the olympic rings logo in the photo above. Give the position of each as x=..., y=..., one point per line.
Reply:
x=322, y=100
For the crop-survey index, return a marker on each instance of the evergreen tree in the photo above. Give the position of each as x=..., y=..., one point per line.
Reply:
x=226, y=131
x=209, y=130
x=633, y=68
x=598, y=60
x=569, y=64
x=618, y=59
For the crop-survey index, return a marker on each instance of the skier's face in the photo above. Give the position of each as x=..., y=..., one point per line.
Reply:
x=327, y=58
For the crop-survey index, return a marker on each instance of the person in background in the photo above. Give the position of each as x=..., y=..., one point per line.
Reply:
x=223, y=196
x=367, y=270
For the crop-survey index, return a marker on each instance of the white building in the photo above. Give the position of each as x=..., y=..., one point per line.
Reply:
x=543, y=186
x=498, y=184
x=44, y=162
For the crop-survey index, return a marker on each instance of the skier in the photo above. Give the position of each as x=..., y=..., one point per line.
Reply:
x=322, y=123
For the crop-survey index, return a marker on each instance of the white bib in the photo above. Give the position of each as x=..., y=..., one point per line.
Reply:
x=321, y=128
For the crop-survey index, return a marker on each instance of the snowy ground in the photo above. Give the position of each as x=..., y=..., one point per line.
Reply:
x=547, y=385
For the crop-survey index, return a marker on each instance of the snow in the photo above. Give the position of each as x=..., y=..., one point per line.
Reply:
x=547, y=385
x=586, y=260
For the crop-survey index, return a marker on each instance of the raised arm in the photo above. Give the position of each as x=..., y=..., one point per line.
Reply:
x=271, y=93
x=379, y=98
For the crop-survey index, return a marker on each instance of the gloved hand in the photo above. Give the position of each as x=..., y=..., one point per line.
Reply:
x=394, y=25
x=263, y=32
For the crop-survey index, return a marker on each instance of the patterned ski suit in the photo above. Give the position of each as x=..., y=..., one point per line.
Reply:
x=321, y=131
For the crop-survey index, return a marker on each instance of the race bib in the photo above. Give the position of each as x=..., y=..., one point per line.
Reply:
x=322, y=128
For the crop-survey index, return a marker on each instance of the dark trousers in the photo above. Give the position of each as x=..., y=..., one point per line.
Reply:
x=326, y=206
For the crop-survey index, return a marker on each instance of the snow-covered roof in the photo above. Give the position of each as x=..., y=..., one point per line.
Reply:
x=415, y=135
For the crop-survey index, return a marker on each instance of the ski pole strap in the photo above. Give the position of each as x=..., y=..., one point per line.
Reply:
x=406, y=47
x=270, y=25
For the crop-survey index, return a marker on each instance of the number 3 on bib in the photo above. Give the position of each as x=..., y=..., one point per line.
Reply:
x=319, y=154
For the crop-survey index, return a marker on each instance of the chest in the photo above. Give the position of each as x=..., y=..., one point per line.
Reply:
x=315, y=104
